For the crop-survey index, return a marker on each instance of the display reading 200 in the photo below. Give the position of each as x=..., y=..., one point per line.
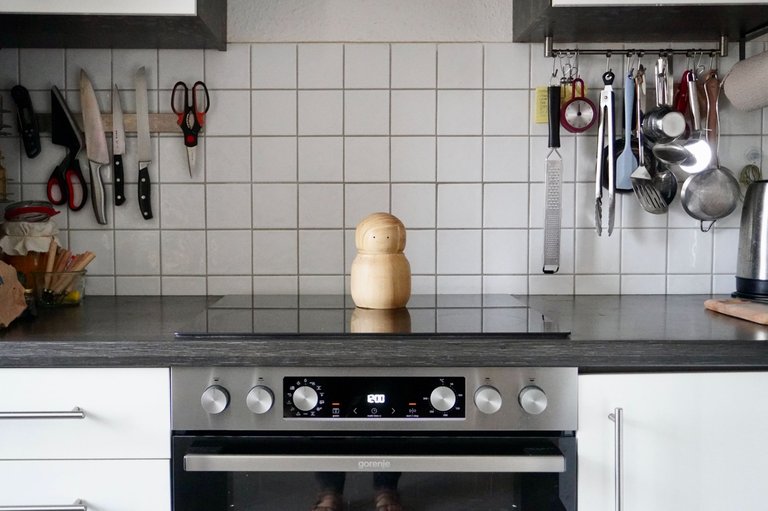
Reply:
x=377, y=398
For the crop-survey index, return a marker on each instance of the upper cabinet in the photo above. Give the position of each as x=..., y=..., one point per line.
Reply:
x=637, y=20
x=114, y=24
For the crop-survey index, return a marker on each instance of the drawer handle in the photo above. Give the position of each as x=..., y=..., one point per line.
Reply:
x=79, y=505
x=618, y=455
x=76, y=413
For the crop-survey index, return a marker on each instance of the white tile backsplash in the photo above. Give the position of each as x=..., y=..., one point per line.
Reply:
x=366, y=159
x=460, y=66
x=459, y=251
x=305, y=139
x=321, y=66
x=413, y=159
x=414, y=66
x=274, y=159
x=321, y=159
x=273, y=66
x=459, y=159
x=179, y=65
x=321, y=112
x=459, y=112
x=229, y=69
x=273, y=112
x=413, y=112
x=321, y=206
x=181, y=205
x=182, y=252
x=228, y=159
x=274, y=206
x=459, y=206
x=366, y=66
x=366, y=112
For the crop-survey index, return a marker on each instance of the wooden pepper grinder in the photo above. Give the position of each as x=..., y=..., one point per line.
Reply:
x=381, y=274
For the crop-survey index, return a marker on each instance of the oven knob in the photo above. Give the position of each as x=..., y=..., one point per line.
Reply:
x=260, y=399
x=533, y=400
x=442, y=398
x=305, y=398
x=215, y=399
x=488, y=399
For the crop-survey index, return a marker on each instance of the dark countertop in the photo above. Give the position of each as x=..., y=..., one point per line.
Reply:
x=608, y=333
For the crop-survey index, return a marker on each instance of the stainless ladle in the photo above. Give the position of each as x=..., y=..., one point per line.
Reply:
x=713, y=193
x=697, y=144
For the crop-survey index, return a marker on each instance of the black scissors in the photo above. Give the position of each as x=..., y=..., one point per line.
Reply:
x=67, y=185
x=191, y=115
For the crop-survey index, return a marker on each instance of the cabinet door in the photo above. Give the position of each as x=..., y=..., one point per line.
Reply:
x=126, y=413
x=101, y=485
x=693, y=441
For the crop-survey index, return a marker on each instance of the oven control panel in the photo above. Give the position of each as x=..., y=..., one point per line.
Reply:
x=371, y=397
x=374, y=398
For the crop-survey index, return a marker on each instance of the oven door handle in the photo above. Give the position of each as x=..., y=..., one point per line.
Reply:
x=334, y=463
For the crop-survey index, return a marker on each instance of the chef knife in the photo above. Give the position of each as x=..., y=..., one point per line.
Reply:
x=95, y=146
x=118, y=146
x=145, y=151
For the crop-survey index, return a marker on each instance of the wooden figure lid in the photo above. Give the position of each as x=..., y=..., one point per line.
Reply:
x=380, y=233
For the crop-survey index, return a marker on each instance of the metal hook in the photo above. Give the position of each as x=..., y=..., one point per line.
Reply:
x=576, y=64
x=607, y=61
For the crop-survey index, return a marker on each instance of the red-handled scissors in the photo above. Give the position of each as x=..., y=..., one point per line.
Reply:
x=67, y=185
x=191, y=115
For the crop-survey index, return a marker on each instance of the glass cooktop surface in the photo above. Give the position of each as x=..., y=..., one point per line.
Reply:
x=249, y=316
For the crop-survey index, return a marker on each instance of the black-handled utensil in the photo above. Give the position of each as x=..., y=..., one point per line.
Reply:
x=28, y=126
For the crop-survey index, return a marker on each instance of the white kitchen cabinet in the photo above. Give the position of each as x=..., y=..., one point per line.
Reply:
x=101, y=485
x=134, y=7
x=113, y=24
x=126, y=413
x=657, y=3
x=113, y=454
x=692, y=441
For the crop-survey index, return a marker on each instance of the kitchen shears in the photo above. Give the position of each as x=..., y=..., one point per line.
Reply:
x=66, y=185
x=191, y=115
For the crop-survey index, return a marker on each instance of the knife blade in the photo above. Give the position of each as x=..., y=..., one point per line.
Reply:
x=145, y=150
x=95, y=145
x=118, y=146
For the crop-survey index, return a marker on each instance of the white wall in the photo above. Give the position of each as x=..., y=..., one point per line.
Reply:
x=369, y=20
x=304, y=139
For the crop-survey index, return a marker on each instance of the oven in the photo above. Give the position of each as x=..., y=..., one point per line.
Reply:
x=279, y=438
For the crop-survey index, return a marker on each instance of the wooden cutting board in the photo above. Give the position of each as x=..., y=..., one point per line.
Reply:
x=744, y=309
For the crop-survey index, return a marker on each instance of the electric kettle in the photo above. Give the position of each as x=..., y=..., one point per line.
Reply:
x=752, y=265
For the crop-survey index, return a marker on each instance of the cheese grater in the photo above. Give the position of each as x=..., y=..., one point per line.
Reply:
x=553, y=186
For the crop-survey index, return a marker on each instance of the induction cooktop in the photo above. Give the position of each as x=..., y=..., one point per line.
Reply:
x=252, y=316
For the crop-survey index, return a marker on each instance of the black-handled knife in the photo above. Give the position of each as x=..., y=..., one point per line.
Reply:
x=28, y=126
x=118, y=147
x=144, y=150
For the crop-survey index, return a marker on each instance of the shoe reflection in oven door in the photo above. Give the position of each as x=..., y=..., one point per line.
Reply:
x=437, y=473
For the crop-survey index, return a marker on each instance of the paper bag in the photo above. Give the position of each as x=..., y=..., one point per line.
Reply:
x=12, y=302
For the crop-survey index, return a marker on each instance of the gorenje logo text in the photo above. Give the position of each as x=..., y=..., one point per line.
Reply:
x=373, y=464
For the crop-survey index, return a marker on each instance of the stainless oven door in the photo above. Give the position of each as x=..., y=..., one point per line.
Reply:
x=431, y=472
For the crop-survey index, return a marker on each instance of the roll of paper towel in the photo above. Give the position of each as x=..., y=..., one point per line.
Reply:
x=745, y=84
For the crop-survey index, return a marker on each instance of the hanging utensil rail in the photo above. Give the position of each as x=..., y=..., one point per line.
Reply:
x=550, y=51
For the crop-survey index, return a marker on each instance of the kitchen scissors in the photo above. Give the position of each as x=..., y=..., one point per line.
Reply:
x=191, y=115
x=66, y=185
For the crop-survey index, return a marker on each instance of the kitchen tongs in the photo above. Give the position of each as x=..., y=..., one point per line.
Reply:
x=607, y=118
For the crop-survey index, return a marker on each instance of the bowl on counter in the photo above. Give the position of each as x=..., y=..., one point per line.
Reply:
x=59, y=289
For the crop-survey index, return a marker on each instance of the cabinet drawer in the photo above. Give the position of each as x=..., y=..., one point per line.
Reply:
x=101, y=485
x=126, y=413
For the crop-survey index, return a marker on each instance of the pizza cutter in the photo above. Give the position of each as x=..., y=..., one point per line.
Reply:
x=578, y=113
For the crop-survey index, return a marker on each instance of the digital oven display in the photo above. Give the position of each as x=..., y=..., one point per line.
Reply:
x=363, y=397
